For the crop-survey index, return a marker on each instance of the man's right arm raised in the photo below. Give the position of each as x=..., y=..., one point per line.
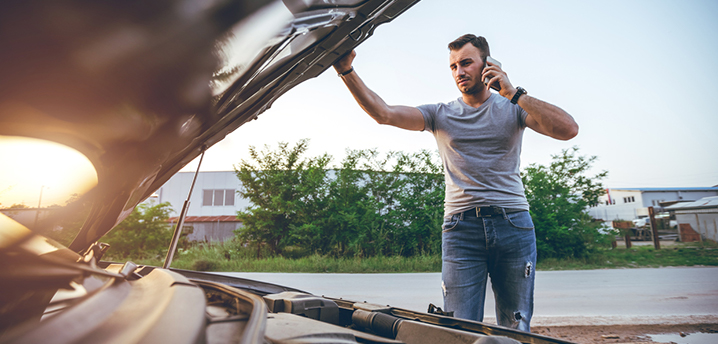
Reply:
x=405, y=117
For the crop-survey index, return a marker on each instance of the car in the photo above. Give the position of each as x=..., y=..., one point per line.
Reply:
x=101, y=103
x=642, y=222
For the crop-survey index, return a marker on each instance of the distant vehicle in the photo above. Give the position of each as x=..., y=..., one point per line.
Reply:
x=642, y=222
x=646, y=222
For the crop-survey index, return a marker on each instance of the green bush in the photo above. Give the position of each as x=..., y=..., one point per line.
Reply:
x=368, y=206
x=145, y=233
x=295, y=252
x=559, y=196
x=204, y=265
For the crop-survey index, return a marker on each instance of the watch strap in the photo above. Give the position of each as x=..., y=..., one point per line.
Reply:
x=344, y=73
x=519, y=91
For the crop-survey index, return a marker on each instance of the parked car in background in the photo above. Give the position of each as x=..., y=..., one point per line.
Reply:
x=127, y=93
x=642, y=222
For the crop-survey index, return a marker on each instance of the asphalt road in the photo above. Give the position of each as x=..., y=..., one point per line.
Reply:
x=587, y=297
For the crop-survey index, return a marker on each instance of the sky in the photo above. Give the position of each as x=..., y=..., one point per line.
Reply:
x=639, y=77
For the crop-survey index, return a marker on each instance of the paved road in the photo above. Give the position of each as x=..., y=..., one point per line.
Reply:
x=588, y=297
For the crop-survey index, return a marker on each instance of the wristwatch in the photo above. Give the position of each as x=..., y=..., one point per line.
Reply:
x=519, y=91
x=346, y=72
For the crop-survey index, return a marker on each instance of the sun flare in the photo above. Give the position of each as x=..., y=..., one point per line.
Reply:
x=34, y=171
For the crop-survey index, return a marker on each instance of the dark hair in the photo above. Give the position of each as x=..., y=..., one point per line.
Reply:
x=479, y=42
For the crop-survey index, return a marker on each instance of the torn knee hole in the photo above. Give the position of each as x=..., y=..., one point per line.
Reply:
x=528, y=270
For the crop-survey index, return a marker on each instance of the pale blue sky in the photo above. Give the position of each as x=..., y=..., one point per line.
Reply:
x=640, y=78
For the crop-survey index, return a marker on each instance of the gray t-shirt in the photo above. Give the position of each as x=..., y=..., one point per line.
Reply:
x=480, y=149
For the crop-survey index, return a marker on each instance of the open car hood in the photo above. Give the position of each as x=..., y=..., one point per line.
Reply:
x=142, y=89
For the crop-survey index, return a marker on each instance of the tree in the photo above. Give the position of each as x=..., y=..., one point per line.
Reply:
x=284, y=190
x=559, y=196
x=144, y=233
x=369, y=205
x=420, y=201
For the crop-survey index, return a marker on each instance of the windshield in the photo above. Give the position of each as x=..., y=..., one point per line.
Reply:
x=40, y=179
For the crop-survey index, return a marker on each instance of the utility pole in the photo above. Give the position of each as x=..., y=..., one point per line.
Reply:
x=654, y=228
x=39, y=201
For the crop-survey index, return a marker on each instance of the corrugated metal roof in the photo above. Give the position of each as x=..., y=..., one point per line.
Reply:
x=710, y=188
x=705, y=202
x=223, y=218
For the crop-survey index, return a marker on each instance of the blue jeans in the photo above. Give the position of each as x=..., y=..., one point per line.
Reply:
x=503, y=247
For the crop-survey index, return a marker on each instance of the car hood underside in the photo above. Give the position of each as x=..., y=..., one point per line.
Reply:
x=142, y=90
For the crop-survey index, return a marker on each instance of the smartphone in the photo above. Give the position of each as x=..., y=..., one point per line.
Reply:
x=493, y=61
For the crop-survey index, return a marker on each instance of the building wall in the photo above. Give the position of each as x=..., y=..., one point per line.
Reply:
x=704, y=222
x=651, y=198
x=212, y=231
x=176, y=189
x=624, y=207
x=625, y=212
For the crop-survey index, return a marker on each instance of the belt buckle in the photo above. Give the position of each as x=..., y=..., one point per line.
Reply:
x=479, y=214
x=489, y=211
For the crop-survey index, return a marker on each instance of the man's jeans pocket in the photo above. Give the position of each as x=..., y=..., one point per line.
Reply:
x=450, y=222
x=521, y=220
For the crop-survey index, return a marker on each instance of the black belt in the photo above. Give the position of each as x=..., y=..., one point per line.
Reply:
x=490, y=211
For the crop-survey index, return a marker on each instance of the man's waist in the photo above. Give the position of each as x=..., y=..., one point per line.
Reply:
x=457, y=201
x=489, y=211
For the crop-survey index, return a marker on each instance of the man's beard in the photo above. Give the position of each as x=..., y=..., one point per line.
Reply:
x=472, y=90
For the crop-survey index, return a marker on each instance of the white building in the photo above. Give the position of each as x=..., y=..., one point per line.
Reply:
x=214, y=194
x=213, y=206
x=631, y=203
x=697, y=220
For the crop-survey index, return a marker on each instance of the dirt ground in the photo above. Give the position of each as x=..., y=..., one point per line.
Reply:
x=620, y=333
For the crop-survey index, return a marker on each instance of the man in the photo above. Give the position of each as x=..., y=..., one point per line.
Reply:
x=487, y=229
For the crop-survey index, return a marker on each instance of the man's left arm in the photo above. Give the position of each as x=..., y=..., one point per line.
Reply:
x=547, y=119
x=544, y=118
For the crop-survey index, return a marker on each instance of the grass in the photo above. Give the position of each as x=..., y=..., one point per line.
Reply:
x=678, y=254
x=232, y=257
x=229, y=256
x=317, y=263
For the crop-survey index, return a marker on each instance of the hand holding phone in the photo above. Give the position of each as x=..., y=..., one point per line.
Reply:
x=494, y=85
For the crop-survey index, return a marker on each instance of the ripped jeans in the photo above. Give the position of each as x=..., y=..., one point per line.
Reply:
x=502, y=247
